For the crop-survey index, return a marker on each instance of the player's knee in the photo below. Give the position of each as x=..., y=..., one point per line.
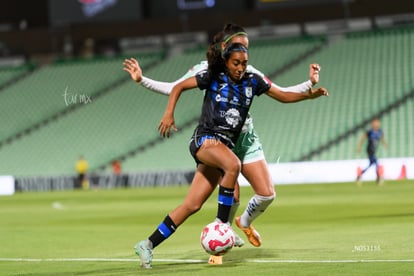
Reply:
x=270, y=192
x=266, y=190
x=233, y=168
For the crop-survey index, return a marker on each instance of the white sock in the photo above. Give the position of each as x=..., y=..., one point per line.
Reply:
x=256, y=206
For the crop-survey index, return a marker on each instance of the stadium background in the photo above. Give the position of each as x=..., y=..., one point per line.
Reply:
x=63, y=92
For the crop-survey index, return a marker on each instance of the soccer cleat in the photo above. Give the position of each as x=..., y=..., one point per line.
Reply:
x=215, y=260
x=144, y=252
x=252, y=235
x=238, y=241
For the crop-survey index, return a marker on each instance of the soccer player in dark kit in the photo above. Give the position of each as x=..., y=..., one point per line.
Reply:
x=374, y=136
x=229, y=93
x=248, y=147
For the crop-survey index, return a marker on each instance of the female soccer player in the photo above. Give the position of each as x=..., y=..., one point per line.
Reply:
x=228, y=97
x=248, y=148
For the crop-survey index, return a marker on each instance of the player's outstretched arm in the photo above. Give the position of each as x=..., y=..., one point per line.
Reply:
x=292, y=97
x=303, y=87
x=132, y=67
x=167, y=121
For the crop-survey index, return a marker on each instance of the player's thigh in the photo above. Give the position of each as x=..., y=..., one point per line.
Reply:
x=258, y=175
x=215, y=154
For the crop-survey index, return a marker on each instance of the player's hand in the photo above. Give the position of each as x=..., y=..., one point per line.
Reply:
x=318, y=92
x=314, y=70
x=166, y=124
x=132, y=67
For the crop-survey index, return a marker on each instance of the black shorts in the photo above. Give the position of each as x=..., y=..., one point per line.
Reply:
x=199, y=136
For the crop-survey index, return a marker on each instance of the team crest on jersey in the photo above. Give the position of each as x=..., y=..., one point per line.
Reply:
x=248, y=91
x=232, y=117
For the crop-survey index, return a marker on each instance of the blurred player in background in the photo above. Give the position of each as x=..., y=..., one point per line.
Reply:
x=248, y=147
x=374, y=135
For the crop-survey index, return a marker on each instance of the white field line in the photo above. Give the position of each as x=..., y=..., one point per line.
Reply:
x=196, y=261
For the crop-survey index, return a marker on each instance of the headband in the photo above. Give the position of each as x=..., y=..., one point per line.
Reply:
x=227, y=38
x=233, y=47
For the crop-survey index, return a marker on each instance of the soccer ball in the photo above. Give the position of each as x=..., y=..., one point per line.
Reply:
x=217, y=238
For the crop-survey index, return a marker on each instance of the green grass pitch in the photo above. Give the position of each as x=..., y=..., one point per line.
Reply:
x=318, y=229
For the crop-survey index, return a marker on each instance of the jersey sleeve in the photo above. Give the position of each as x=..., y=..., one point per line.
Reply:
x=203, y=80
x=166, y=87
x=263, y=84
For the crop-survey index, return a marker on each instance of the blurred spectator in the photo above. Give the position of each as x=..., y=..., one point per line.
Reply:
x=116, y=167
x=82, y=168
x=121, y=180
x=88, y=48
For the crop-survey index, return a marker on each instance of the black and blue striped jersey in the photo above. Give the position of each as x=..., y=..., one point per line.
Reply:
x=374, y=136
x=226, y=104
